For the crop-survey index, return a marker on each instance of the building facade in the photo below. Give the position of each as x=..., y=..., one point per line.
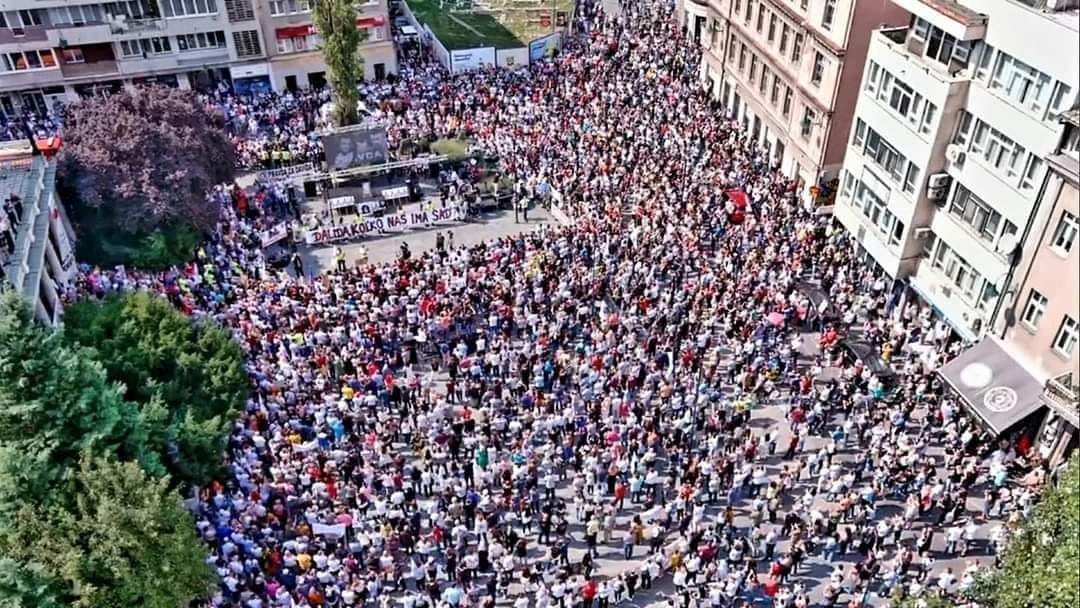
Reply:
x=789, y=71
x=58, y=50
x=37, y=255
x=1042, y=326
x=947, y=158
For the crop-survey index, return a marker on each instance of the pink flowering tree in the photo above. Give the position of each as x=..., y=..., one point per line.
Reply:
x=141, y=162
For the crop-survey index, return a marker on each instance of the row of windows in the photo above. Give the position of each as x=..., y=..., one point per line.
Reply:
x=981, y=218
x=780, y=34
x=97, y=13
x=904, y=172
x=298, y=44
x=828, y=14
x=876, y=210
x=961, y=274
x=769, y=83
x=1008, y=159
x=21, y=61
x=162, y=45
x=188, y=8
x=1068, y=334
x=940, y=46
x=904, y=100
x=1063, y=239
x=17, y=20
x=289, y=7
x=1030, y=88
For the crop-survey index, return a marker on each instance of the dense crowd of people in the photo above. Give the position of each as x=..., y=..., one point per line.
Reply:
x=573, y=416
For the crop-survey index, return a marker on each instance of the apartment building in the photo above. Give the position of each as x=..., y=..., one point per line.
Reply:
x=957, y=114
x=789, y=71
x=58, y=50
x=1042, y=326
x=37, y=254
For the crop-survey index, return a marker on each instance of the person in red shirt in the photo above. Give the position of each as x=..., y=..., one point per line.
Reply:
x=588, y=592
x=620, y=494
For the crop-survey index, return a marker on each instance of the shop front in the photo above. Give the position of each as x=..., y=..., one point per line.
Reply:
x=999, y=392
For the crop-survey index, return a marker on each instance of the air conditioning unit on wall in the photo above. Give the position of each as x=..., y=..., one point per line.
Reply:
x=955, y=154
x=937, y=187
x=938, y=180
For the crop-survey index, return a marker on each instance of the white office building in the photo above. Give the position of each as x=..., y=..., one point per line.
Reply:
x=956, y=117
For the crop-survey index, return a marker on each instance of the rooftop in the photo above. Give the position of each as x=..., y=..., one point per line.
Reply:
x=956, y=11
x=1068, y=17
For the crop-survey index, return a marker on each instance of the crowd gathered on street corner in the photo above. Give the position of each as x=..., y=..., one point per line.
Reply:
x=584, y=414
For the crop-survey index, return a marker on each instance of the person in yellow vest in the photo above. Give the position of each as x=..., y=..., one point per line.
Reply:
x=429, y=208
x=339, y=255
x=286, y=157
x=275, y=156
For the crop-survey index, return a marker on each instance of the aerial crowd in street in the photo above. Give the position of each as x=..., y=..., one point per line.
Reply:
x=591, y=413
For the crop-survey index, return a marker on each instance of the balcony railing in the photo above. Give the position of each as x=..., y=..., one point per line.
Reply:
x=1063, y=393
x=896, y=34
x=122, y=25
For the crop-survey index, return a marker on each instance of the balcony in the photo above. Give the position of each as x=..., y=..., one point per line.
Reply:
x=88, y=60
x=896, y=34
x=951, y=16
x=96, y=68
x=1063, y=395
x=122, y=25
x=913, y=53
x=62, y=36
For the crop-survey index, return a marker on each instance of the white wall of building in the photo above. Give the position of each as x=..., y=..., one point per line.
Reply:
x=962, y=260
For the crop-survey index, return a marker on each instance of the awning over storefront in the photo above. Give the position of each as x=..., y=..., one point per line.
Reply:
x=299, y=31
x=993, y=384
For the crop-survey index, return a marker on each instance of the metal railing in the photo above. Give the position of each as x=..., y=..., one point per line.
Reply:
x=123, y=25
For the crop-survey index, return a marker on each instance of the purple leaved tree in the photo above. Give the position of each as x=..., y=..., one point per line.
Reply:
x=145, y=159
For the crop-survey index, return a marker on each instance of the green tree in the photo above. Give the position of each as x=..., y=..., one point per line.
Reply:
x=1039, y=564
x=335, y=21
x=187, y=377
x=55, y=402
x=27, y=586
x=119, y=538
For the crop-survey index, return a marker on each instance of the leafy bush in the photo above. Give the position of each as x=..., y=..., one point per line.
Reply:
x=455, y=149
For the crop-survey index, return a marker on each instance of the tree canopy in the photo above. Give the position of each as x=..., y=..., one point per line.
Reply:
x=336, y=22
x=186, y=377
x=55, y=402
x=1039, y=564
x=87, y=516
x=140, y=163
x=122, y=538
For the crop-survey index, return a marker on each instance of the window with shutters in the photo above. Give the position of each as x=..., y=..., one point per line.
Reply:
x=247, y=43
x=239, y=10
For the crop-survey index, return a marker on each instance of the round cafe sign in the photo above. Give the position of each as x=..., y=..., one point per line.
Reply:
x=976, y=375
x=1000, y=399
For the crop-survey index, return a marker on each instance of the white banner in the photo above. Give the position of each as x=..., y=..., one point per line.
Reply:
x=470, y=59
x=325, y=530
x=297, y=173
x=274, y=234
x=388, y=223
